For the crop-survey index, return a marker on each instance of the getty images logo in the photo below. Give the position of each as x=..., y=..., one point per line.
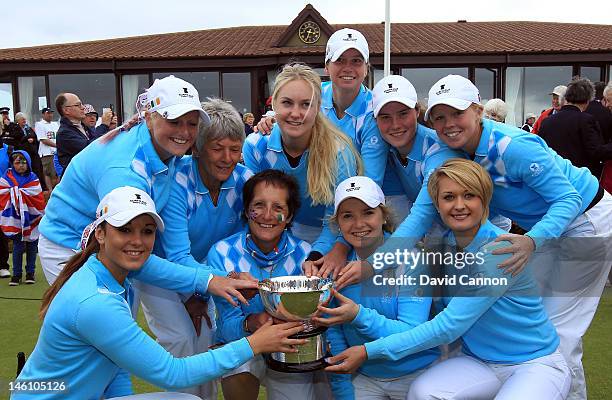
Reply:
x=442, y=90
x=391, y=89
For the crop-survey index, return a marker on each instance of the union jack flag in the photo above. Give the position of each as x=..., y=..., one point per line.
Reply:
x=22, y=207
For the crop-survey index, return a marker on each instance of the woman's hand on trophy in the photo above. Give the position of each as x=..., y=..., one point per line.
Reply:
x=271, y=338
x=348, y=361
x=334, y=261
x=346, y=311
x=230, y=288
x=354, y=272
x=245, y=276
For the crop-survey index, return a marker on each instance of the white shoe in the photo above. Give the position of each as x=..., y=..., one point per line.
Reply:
x=4, y=273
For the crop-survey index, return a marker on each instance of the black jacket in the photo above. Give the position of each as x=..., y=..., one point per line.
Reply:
x=603, y=116
x=575, y=135
x=70, y=140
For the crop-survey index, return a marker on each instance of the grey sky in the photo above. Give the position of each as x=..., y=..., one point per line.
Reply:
x=35, y=22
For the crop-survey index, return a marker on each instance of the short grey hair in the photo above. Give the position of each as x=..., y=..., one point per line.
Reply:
x=20, y=115
x=496, y=110
x=608, y=89
x=225, y=122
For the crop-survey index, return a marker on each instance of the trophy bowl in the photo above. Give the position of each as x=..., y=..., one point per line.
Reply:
x=295, y=298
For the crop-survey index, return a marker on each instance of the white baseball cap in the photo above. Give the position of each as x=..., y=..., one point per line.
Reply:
x=452, y=90
x=359, y=187
x=120, y=206
x=393, y=88
x=172, y=97
x=344, y=39
x=559, y=90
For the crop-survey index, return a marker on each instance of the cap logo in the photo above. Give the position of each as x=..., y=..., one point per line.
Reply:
x=138, y=200
x=353, y=187
x=349, y=38
x=442, y=90
x=391, y=89
x=186, y=93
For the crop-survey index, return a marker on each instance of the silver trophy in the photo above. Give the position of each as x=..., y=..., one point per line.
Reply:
x=295, y=298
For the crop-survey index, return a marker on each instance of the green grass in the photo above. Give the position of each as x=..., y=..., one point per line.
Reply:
x=19, y=326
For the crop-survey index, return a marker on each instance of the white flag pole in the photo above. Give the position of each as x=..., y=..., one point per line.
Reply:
x=387, y=51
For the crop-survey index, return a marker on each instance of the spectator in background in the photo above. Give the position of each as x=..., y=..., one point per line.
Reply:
x=496, y=109
x=107, y=122
x=574, y=134
x=45, y=130
x=602, y=115
x=22, y=204
x=529, y=120
x=248, y=119
x=24, y=138
x=606, y=100
x=557, y=101
x=4, y=251
x=73, y=136
x=4, y=112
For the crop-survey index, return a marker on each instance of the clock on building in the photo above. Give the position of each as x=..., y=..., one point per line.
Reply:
x=309, y=32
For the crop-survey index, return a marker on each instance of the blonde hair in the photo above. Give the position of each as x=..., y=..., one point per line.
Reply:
x=469, y=175
x=325, y=141
x=389, y=218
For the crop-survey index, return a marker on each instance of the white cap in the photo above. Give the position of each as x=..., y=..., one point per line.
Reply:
x=452, y=90
x=172, y=97
x=393, y=88
x=359, y=187
x=120, y=206
x=530, y=115
x=559, y=90
x=344, y=39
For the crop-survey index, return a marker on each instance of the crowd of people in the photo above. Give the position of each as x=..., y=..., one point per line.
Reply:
x=187, y=206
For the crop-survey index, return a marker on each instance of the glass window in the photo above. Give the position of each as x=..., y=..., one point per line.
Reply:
x=378, y=74
x=95, y=89
x=32, y=97
x=424, y=78
x=131, y=87
x=528, y=88
x=485, y=82
x=592, y=73
x=206, y=83
x=237, y=90
x=6, y=98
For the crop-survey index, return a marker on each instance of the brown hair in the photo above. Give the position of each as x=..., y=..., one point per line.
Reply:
x=72, y=265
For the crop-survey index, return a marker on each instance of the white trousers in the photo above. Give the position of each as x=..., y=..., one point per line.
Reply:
x=572, y=273
x=369, y=388
x=279, y=385
x=158, y=396
x=170, y=323
x=466, y=378
x=52, y=257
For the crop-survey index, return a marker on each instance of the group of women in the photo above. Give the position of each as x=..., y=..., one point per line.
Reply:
x=316, y=195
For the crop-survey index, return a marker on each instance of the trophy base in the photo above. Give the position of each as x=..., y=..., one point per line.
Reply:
x=280, y=366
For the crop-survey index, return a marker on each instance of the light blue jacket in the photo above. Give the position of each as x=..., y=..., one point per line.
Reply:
x=192, y=222
x=240, y=254
x=503, y=323
x=89, y=339
x=383, y=311
x=359, y=124
x=265, y=152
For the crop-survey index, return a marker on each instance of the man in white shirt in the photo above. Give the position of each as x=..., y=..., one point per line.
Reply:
x=45, y=131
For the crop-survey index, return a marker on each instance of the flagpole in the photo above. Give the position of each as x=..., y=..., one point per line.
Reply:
x=387, y=51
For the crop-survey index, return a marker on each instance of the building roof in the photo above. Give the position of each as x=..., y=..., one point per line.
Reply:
x=409, y=39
